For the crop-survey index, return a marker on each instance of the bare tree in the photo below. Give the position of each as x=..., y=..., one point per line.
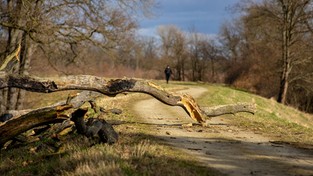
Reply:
x=194, y=55
x=61, y=26
x=150, y=52
x=272, y=40
x=209, y=52
x=174, y=45
x=231, y=38
x=290, y=19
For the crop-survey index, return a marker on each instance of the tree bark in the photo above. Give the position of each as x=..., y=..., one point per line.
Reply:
x=14, y=39
x=229, y=109
x=28, y=119
x=38, y=117
x=110, y=87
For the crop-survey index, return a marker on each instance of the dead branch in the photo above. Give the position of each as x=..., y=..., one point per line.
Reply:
x=110, y=87
x=229, y=109
x=38, y=117
x=13, y=127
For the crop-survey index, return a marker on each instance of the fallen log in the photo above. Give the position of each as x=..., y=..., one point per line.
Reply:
x=16, y=126
x=33, y=118
x=110, y=87
x=94, y=127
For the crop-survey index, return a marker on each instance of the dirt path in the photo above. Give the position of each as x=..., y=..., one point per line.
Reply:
x=230, y=150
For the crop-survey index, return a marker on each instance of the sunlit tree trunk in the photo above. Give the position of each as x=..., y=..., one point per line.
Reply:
x=25, y=60
x=286, y=44
x=9, y=95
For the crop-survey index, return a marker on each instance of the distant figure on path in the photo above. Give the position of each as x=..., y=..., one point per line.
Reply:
x=168, y=73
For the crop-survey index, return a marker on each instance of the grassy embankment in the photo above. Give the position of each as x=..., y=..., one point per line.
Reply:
x=281, y=123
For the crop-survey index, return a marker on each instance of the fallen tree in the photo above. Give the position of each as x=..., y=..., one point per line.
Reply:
x=70, y=109
x=110, y=87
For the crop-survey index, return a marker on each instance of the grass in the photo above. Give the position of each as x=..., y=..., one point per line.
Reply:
x=138, y=152
x=135, y=154
x=272, y=119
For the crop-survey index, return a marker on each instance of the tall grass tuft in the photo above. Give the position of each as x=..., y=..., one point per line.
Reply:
x=141, y=149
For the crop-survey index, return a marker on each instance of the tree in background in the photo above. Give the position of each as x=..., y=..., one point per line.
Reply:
x=174, y=44
x=194, y=55
x=202, y=52
x=273, y=39
x=60, y=28
x=290, y=18
x=209, y=53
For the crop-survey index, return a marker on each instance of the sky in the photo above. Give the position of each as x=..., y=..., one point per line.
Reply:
x=204, y=16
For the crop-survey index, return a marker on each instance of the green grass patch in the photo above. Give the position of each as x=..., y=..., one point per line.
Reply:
x=275, y=120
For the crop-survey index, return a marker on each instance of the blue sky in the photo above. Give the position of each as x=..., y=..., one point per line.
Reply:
x=205, y=16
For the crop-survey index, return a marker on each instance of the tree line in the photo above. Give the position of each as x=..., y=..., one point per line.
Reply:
x=266, y=49
x=272, y=42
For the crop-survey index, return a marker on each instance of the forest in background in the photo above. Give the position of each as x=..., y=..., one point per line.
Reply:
x=266, y=50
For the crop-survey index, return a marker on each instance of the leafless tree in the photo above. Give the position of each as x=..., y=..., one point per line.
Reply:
x=290, y=25
x=61, y=27
x=231, y=38
x=195, y=57
x=174, y=44
x=202, y=54
x=271, y=41
x=209, y=52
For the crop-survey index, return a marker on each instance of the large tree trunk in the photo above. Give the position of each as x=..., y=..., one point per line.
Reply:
x=14, y=38
x=105, y=86
x=288, y=39
x=9, y=94
x=12, y=97
x=25, y=60
x=282, y=94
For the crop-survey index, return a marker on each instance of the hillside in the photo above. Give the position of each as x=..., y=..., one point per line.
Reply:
x=272, y=118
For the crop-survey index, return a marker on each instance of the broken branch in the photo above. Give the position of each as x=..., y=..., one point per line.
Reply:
x=42, y=116
x=229, y=109
x=110, y=87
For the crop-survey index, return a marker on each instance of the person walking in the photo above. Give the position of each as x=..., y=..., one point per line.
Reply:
x=168, y=73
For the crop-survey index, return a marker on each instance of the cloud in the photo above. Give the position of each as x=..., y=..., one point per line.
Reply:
x=152, y=32
x=148, y=32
